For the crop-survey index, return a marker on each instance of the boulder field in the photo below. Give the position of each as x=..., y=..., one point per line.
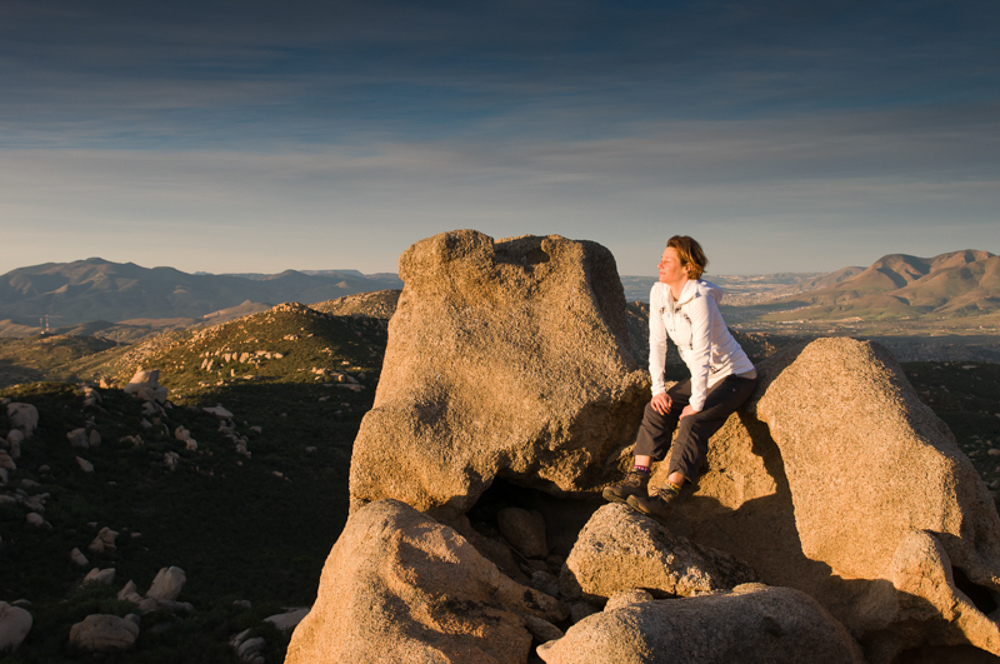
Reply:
x=836, y=519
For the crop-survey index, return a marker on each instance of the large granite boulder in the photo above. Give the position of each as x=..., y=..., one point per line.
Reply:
x=505, y=359
x=104, y=633
x=167, y=584
x=836, y=480
x=508, y=366
x=145, y=385
x=620, y=549
x=22, y=416
x=401, y=587
x=754, y=624
x=871, y=472
x=15, y=623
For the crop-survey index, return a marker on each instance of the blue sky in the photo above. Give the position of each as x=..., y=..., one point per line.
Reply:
x=259, y=136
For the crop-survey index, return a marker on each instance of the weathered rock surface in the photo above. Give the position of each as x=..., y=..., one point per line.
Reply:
x=401, y=587
x=105, y=541
x=78, y=438
x=97, y=575
x=167, y=584
x=828, y=489
x=22, y=416
x=871, y=470
x=15, y=623
x=508, y=361
x=754, y=624
x=505, y=359
x=103, y=633
x=145, y=385
x=620, y=549
x=287, y=621
x=525, y=530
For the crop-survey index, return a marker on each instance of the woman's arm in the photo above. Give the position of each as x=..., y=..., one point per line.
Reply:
x=657, y=341
x=701, y=311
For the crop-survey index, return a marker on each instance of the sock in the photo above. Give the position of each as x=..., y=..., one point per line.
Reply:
x=641, y=469
x=670, y=486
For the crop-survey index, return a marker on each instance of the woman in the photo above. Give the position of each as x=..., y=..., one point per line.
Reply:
x=686, y=309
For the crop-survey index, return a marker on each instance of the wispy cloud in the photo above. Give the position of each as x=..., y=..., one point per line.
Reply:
x=590, y=119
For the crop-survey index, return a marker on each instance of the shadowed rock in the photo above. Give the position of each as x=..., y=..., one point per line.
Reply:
x=104, y=633
x=507, y=359
x=15, y=623
x=400, y=587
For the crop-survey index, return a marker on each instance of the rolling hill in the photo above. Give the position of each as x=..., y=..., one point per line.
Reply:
x=898, y=286
x=96, y=289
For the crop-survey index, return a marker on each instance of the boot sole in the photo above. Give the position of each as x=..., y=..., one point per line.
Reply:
x=638, y=507
x=613, y=497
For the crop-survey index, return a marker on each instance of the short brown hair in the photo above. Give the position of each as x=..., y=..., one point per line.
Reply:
x=690, y=254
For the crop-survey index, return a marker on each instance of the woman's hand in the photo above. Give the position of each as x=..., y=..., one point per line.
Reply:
x=688, y=410
x=661, y=403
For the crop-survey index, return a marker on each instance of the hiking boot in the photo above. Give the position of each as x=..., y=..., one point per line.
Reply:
x=634, y=484
x=657, y=505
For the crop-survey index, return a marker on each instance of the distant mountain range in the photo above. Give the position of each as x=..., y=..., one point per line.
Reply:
x=898, y=286
x=124, y=301
x=99, y=290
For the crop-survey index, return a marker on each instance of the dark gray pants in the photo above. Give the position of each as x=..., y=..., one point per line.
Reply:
x=689, y=450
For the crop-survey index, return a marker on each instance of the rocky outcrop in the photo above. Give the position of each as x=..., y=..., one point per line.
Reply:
x=401, y=587
x=881, y=491
x=104, y=633
x=828, y=491
x=105, y=541
x=754, y=624
x=525, y=530
x=15, y=623
x=145, y=385
x=507, y=366
x=167, y=584
x=620, y=549
x=22, y=416
x=505, y=359
x=288, y=620
x=98, y=575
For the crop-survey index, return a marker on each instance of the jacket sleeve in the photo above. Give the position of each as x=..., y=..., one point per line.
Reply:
x=701, y=310
x=657, y=342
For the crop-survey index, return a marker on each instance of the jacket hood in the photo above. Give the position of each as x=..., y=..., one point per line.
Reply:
x=700, y=288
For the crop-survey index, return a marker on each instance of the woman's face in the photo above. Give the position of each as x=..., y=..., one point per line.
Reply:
x=671, y=271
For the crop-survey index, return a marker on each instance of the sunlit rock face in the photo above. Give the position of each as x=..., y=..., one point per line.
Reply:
x=753, y=624
x=401, y=587
x=882, y=492
x=836, y=480
x=508, y=366
x=505, y=359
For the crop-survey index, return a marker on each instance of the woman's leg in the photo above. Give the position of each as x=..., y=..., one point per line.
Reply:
x=651, y=444
x=656, y=430
x=691, y=445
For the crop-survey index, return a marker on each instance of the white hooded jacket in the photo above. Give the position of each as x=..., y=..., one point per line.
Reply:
x=696, y=327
